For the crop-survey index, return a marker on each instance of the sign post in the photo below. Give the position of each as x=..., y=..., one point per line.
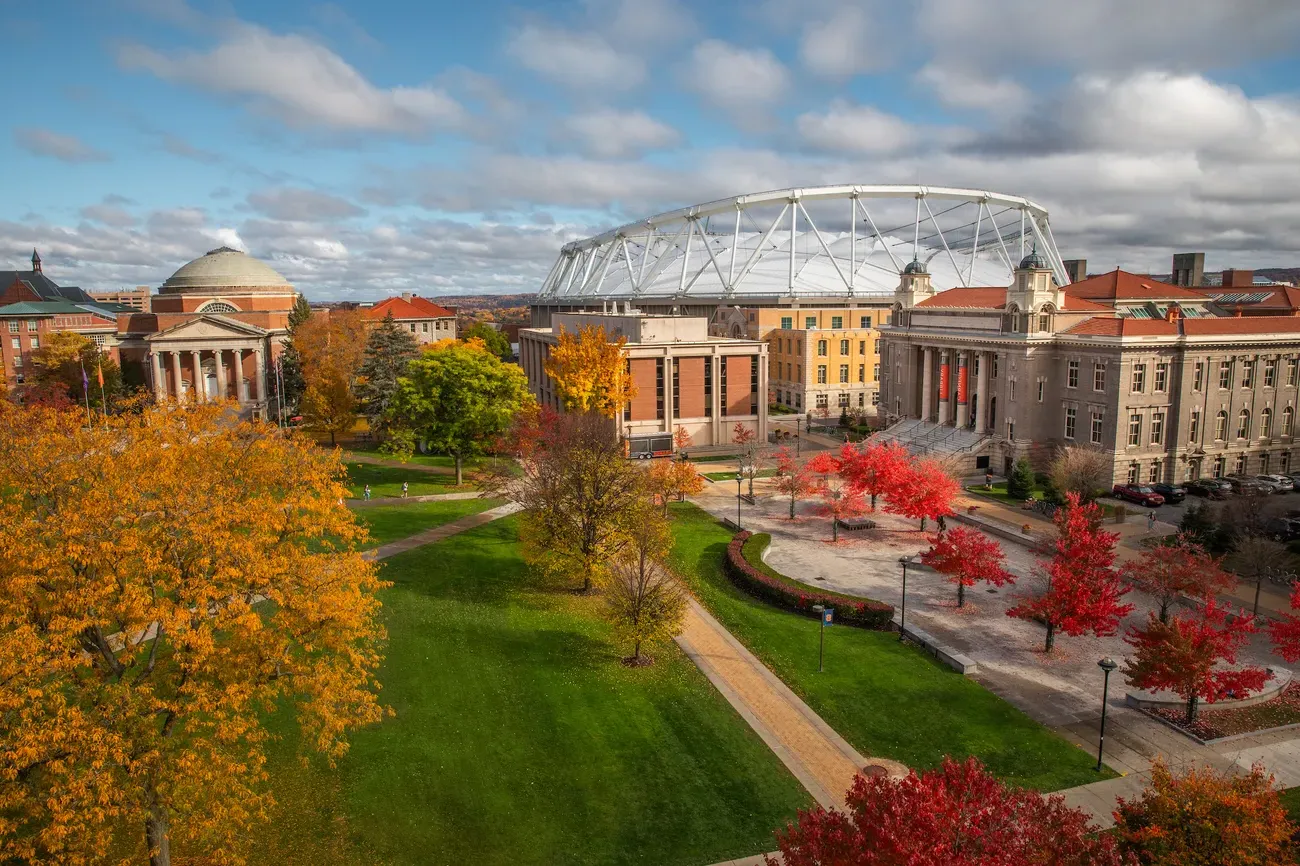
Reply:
x=827, y=617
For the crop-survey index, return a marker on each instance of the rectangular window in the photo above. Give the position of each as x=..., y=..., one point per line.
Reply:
x=1132, y=473
x=837, y=322
x=844, y=372
x=821, y=374
x=1011, y=390
x=1094, y=435
x=787, y=323
x=1134, y=430
x=1291, y=367
x=1098, y=377
x=1139, y=378
x=413, y=327
x=31, y=326
x=862, y=372
x=1194, y=428
x=865, y=322
x=1248, y=374
x=862, y=400
x=821, y=348
x=1225, y=374
x=809, y=322
x=1219, y=467
x=844, y=399
x=1270, y=374
x=1042, y=386
x=753, y=386
x=1198, y=376
x=1285, y=459
x=659, y=388
x=1221, y=426
x=1241, y=464
x=875, y=347
x=875, y=398
x=1072, y=375
x=823, y=400
x=13, y=326
x=875, y=372
x=1158, y=428
x=36, y=342
x=1070, y=418
x=18, y=360
x=862, y=347
x=1162, y=378
x=844, y=347
x=17, y=342
x=424, y=326
x=1263, y=463
x=722, y=385
x=1153, y=474
x=993, y=369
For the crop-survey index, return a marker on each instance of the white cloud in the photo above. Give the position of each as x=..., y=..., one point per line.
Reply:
x=301, y=82
x=65, y=148
x=967, y=89
x=609, y=133
x=575, y=59
x=306, y=205
x=851, y=128
x=842, y=44
x=109, y=215
x=737, y=79
x=641, y=24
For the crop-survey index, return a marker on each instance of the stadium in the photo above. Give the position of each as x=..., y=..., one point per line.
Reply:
x=812, y=245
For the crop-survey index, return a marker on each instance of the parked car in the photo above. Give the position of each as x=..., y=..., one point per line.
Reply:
x=1210, y=488
x=1283, y=528
x=1139, y=493
x=1173, y=494
x=1243, y=485
x=1281, y=482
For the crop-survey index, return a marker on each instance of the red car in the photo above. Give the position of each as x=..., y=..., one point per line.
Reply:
x=1138, y=493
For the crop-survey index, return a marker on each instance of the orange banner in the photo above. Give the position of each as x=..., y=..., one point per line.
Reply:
x=961, y=384
x=943, y=381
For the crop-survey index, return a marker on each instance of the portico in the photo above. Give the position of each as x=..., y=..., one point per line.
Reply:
x=956, y=388
x=209, y=357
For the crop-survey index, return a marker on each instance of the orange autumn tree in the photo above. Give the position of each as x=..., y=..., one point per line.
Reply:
x=168, y=578
x=590, y=372
x=332, y=348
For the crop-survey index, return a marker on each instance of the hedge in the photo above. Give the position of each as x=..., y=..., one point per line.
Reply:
x=762, y=581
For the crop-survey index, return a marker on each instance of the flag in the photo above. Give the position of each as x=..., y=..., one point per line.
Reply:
x=85, y=380
x=99, y=374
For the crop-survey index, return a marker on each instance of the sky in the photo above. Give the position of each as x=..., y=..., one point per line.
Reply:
x=369, y=148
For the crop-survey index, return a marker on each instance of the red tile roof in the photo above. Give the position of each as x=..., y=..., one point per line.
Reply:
x=401, y=308
x=1262, y=325
x=1082, y=305
x=1108, y=326
x=1122, y=286
x=981, y=298
x=1282, y=298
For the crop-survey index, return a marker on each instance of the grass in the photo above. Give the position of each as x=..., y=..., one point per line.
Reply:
x=1291, y=802
x=418, y=459
x=714, y=458
x=731, y=476
x=884, y=697
x=391, y=522
x=999, y=492
x=520, y=739
x=387, y=481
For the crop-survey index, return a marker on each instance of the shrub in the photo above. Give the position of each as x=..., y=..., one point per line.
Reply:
x=1021, y=483
x=747, y=570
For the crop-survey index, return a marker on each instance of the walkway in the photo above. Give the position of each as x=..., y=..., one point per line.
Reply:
x=355, y=457
x=398, y=500
x=438, y=533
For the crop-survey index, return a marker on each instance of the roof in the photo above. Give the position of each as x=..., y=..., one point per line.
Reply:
x=55, y=308
x=402, y=308
x=1261, y=325
x=223, y=268
x=1279, y=298
x=1082, y=305
x=1109, y=326
x=1222, y=326
x=43, y=286
x=1122, y=286
x=976, y=297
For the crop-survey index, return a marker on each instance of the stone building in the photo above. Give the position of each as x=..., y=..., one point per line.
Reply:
x=684, y=377
x=1159, y=376
x=428, y=322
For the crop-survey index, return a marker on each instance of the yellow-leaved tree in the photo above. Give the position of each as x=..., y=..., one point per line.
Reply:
x=590, y=372
x=167, y=578
x=645, y=603
x=332, y=348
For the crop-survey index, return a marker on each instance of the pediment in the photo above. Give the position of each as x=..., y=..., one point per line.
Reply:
x=209, y=327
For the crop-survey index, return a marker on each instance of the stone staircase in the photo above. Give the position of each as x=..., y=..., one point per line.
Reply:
x=930, y=439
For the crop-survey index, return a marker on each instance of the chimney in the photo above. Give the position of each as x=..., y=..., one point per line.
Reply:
x=1188, y=269
x=1076, y=269
x=406, y=296
x=36, y=261
x=1174, y=313
x=1238, y=279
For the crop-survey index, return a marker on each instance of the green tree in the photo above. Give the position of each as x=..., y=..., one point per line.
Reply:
x=496, y=341
x=290, y=383
x=1202, y=525
x=1021, y=483
x=459, y=398
x=57, y=370
x=388, y=350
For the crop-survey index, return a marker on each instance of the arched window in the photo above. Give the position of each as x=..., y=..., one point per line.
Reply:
x=1243, y=424
x=1265, y=423
x=1287, y=417
x=1221, y=425
x=1045, y=318
x=218, y=307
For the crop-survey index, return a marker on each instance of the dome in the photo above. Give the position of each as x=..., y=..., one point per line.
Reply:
x=224, y=269
x=915, y=266
x=1034, y=260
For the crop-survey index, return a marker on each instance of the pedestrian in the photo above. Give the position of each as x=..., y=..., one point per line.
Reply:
x=405, y=487
x=942, y=524
x=367, y=492
x=988, y=480
x=1151, y=522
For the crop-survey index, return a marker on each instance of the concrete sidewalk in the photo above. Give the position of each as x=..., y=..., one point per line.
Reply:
x=398, y=500
x=438, y=533
x=354, y=457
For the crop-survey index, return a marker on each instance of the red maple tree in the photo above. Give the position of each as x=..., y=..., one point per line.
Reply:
x=876, y=468
x=924, y=491
x=967, y=556
x=839, y=502
x=1285, y=630
x=1083, y=589
x=1184, y=656
x=823, y=463
x=957, y=815
x=793, y=478
x=1182, y=568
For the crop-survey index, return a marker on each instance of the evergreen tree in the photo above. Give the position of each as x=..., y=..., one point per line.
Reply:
x=496, y=341
x=1021, y=483
x=289, y=385
x=388, y=350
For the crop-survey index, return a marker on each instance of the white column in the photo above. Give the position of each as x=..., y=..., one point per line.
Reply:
x=982, y=408
x=200, y=386
x=176, y=374
x=159, y=377
x=218, y=356
x=260, y=380
x=763, y=383
x=927, y=383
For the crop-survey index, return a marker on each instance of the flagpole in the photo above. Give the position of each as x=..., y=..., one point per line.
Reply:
x=85, y=390
x=103, y=396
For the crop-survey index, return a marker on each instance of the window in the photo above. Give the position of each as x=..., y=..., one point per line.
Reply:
x=875, y=372
x=36, y=342
x=875, y=398
x=1132, y=473
x=1011, y=390
x=862, y=400
x=1139, y=378
x=1011, y=430
x=1153, y=473
x=1248, y=374
x=875, y=347
x=17, y=342
x=1158, y=428
x=1042, y=386
x=1243, y=424
x=844, y=399
x=1270, y=373
x=708, y=388
x=823, y=401
x=1194, y=428
x=677, y=389
x=1098, y=377
x=18, y=360
x=862, y=372
x=976, y=365
x=1044, y=322
x=844, y=347
x=1285, y=459
x=1134, y=430
x=787, y=323
x=864, y=322
x=1265, y=423
x=844, y=372
x=13, y=326
x=821, y=374
x=1291, y=366
x=1162, y=378
x=31, y=326
x=1219, y=467
x=1241, y=464
x=18, y=378
x=1225, y=374
x=1263, y=464
x=413, y=327
x=837, y=322
x=1198, y=376
x=659, y=388
x=809, y=322
x=1287, y=416
x=821, y=348
x=1070, y=418
x=1072, y=375
x=1094, y=434
x=1221, y=425
x=862, y=347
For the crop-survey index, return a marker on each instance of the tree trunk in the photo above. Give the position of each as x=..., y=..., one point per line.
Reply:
x=873, y=502
x=636, y=652
x=1192, y=708
x=1164, y=611
x=458, y=475
x=961, y=595
x=1051, y=636
x=332, y=443
x=792, y=506
x=835, y=529
x=156, y=835
x=923, y=524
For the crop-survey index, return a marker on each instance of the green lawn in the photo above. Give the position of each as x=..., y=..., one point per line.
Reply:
x=731, y=476
x=1291, y=802
x=420, y=459
x=999, y=492
x=519, y=738
x=387, y=481
x=885, y=698
x=391, y=522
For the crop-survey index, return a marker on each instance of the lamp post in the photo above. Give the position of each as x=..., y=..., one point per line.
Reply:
x=740, y=476
x=902, y=619
x=1107, y=664
x=798, y=429
x=820, y=610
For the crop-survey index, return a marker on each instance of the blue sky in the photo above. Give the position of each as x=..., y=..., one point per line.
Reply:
x=369, y=148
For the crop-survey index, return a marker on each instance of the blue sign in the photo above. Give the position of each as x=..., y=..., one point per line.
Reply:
x=828, y=615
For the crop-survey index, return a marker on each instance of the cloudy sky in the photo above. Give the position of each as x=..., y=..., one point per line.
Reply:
x=452, y=147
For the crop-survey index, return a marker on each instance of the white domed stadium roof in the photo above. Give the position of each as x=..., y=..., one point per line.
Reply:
x=224, y=268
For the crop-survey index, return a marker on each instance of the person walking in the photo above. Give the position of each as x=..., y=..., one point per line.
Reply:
x=1151, y=522
x=366, y=494
x=988, y=480
x=405, y=487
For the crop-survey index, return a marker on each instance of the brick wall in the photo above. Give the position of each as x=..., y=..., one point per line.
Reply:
x=643, y=377
x=739, y=388
x=690, y=384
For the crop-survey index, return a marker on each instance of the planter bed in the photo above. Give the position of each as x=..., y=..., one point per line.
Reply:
x=1212, y=725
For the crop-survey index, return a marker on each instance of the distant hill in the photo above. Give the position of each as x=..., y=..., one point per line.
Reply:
x=466, y=303
x=1286, y=275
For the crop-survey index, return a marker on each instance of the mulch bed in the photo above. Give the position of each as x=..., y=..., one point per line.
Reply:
x=1212, y=724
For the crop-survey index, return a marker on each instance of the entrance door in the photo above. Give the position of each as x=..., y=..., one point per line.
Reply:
x=211, y=380
x=974, y=410
x=993, y=413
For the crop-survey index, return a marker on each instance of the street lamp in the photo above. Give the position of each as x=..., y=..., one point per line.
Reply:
x=820, y=610
x=798, y=428
x=902, y=619
x=1107, y=664
x=740, y=476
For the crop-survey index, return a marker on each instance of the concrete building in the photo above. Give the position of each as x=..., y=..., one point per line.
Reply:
x=428, y=322
x=1154, y=374
x=684, y=377
x=137, y=298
